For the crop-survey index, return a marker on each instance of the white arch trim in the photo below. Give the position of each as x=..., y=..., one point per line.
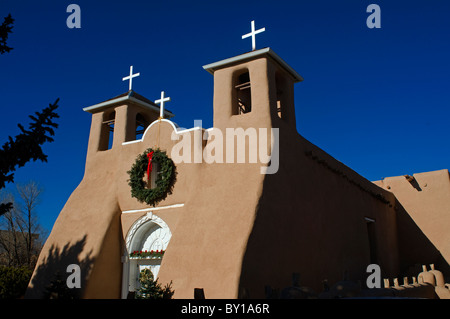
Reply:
x=135, y=234
x=149, y=217
x=175, y=127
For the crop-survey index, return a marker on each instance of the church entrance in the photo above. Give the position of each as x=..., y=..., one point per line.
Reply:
x=146, y=242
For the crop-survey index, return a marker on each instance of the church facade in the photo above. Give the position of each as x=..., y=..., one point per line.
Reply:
x=235, y=227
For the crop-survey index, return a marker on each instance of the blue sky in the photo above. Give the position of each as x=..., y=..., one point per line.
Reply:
x=377, y=100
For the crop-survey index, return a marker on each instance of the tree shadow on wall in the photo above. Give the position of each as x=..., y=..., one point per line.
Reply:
x=50, y=276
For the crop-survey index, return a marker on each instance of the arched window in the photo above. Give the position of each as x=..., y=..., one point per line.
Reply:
x=371, y=232
x=141, y=125
x=242, y=96
x=280, y=86
x=107, y=131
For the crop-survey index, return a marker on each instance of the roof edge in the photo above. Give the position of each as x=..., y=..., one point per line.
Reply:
x=212, y=67
x=129, y=97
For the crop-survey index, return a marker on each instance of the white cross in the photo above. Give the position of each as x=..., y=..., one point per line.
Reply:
x=130, y=77
x=162, y=100
x=252, y=34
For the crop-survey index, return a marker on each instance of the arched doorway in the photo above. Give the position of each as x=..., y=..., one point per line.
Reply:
x=148, y=233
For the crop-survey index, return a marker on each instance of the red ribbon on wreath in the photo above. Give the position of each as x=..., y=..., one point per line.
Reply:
x=149, y=166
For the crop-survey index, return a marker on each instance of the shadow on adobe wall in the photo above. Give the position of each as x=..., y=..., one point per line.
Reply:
x=52, y=272
x=416, y=249
x=310, y=221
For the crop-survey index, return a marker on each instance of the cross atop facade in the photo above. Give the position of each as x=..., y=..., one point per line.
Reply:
x=161, y=101
x=252, y=34
x=130, y=78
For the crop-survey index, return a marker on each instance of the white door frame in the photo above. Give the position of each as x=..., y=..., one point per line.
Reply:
x=134, y=238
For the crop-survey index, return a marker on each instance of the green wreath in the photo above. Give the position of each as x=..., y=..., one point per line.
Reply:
x=164, y=182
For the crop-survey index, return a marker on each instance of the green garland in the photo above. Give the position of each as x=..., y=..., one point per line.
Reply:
x=164, y=182
x=145, y=254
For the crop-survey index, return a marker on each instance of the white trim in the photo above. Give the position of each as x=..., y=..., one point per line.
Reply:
x=106, y=103
x=251, y=55
x=151, y=209
x=144, y=258
x=176, y=128
x=144, y=219
x=369, y=220
x=97, y=107
x=131, y=142
x=134, y=230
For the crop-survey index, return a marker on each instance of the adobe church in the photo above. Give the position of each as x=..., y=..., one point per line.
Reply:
x=227, y=227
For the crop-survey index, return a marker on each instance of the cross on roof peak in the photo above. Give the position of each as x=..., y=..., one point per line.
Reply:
x=161, y=101
x=252, y=34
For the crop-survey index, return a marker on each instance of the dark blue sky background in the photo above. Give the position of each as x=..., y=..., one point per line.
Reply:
x=376, y=99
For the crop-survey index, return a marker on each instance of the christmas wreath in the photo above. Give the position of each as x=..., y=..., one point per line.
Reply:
x=164, y=181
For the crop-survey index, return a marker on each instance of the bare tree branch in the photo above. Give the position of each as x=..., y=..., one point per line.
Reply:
x=22, y=235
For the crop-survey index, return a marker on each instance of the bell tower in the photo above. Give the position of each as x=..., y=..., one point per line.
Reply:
x=255, y=89
x=121, y=119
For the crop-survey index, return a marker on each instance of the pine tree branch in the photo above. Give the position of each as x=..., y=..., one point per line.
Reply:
x=27, y=146
x=5, y=28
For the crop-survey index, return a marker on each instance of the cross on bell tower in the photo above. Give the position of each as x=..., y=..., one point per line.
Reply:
x=130, y=78
x=252, y=34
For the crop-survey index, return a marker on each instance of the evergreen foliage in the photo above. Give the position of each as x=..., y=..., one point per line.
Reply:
x=5, y=28
x=151, y=289
x=26, y=146
x=58, y=290
x=13, y=281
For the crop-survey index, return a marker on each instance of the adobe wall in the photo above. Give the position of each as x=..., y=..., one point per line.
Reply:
x=212, y=228
x=254, y=230
x=311, y=220
x=83, y=234
x=89, y=230
x=207, y=247
x=426, y=198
